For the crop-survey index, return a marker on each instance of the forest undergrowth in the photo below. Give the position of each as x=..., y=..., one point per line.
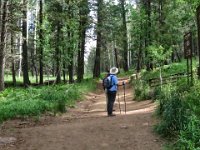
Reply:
x=34, y=101
x=178, y=107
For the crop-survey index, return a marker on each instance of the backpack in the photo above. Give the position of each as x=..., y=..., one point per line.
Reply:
x=107, y=82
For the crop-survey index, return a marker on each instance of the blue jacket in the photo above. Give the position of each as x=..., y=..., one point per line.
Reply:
x=114, y=83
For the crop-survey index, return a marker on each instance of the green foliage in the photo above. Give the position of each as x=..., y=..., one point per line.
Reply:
x=9, y=80
x=20, y=102
x=168, y=70
x=179, y=110
x=125, y=74
x=158, y=53
x=189, y=138
x=173, y=113
x=35, y=101
x=141, y=90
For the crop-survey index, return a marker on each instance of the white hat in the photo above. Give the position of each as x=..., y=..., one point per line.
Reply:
x=113, y=70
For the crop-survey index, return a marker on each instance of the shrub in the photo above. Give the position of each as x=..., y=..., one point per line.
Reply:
x=189, y=138
x=173, y=114
x=141, y=90
x=180, y=115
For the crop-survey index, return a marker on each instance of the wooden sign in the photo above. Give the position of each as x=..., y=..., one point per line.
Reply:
x=188, y=45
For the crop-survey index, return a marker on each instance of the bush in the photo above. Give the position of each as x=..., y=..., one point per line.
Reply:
x=141, y=90
x=189, y=138
x=180, y=115
x=173, y=114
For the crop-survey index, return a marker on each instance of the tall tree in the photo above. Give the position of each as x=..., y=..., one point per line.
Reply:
x=83, y=13
x=2, y=42
x=96, y=71
x=41, y=41
x=11, y=9
x=58, y=54
x=70, y=43
x=24, y=46
x=125, y=38
x=146, y=5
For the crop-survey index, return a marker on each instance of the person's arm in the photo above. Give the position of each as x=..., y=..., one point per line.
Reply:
x=116, y=81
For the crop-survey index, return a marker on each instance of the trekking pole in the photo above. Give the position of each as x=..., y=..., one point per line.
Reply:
x=119, y=103
x=124, y=96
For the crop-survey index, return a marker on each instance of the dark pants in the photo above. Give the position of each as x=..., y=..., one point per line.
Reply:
x=111, y=100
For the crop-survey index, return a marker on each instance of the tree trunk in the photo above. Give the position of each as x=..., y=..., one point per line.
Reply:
x=64, y=72
x=147, y=7
x=70, y=51
x=96, y=71
x=71, y=55
x=83, y=13
x=149, y=30
x=116, y=58
x=12, y=47
x=58, y=75
x=2, y=43
x=35, y=44
x=24, y=47
x=71, y=71
x=41, y=42
x=125, y=38
x=20, y=40
x=13, y=60
x=139, y=60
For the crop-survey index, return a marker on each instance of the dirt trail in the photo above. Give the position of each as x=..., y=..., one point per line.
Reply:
x=86, y=127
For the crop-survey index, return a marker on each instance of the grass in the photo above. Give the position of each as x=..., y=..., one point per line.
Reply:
x=8, y=78
x=34, y=101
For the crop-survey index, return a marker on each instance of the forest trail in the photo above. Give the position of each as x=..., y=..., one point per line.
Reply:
x=87, y=127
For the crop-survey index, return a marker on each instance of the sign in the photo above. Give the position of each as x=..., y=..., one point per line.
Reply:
x=188, y=45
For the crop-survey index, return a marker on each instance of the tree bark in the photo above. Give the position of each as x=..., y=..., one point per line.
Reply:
x=2, y=43
x=71, y=61
x=70, y=35
x=147, y=7
x=41, y=41
x=96, y=71
x=13, y=61
x=71, y=71
x=83, y=13
x=20, y=41
x=12, y=48
x=64, y=72
x=24, y=47
x=116, y=58
x=125, y=38
x=58, y=75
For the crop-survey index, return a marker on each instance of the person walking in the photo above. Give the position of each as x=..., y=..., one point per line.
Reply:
x=112, y=91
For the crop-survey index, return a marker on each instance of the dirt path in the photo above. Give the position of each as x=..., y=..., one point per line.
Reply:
x=86, y=127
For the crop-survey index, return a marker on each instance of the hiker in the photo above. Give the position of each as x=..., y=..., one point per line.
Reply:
x=112, y=91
